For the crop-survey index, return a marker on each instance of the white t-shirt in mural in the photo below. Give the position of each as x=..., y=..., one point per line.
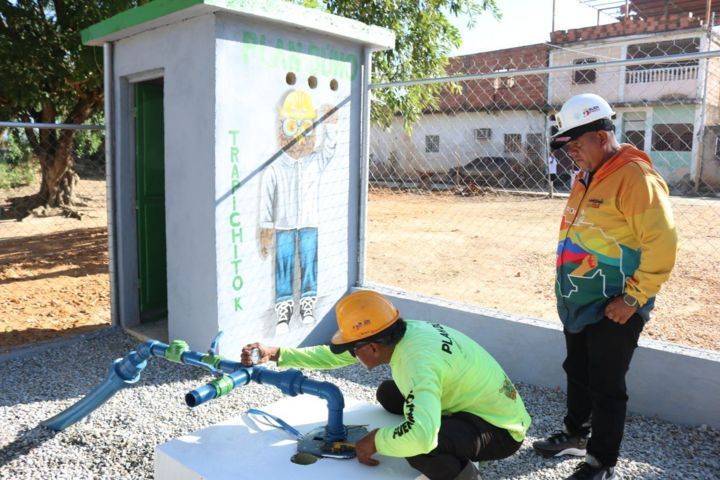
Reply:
x=289, y=192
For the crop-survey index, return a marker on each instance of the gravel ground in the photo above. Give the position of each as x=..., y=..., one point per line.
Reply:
x=118, y=439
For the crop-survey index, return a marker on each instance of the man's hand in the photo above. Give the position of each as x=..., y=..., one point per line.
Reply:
x=618, y=311
x=267, y=353
x=266, y=241
x=365, y=449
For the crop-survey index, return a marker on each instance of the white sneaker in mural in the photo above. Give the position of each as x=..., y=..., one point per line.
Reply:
x=307, y=309
x=284, y=311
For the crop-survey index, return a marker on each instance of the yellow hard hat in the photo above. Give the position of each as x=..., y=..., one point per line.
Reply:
x=298, y=105
x=361, y=315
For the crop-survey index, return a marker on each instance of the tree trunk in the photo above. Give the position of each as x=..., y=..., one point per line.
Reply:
x=59, y=179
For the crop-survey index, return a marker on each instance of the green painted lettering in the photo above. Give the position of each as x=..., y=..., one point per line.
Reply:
x=238, y=306
x=237, y=234
x=234, y=151
x=237, y=282
x=250, y=42
x=235, y=219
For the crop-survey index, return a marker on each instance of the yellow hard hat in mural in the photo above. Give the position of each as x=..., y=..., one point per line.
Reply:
x=298, y=105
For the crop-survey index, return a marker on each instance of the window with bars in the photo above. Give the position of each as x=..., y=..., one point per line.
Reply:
x=513, y=142
x=672, y=137
x=634, y=129
x=584, y=76
x=535, y=143
x=482, y=134
x=432, y=143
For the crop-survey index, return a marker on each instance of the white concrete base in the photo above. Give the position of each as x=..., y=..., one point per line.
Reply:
x=243, y=448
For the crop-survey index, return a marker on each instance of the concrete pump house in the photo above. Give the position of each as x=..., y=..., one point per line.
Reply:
x=230, y=121
x=236, y=149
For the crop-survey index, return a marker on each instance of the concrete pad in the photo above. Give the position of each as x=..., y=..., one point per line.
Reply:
x=245, y=447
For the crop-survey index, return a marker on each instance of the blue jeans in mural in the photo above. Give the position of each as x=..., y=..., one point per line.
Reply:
x=305, y=239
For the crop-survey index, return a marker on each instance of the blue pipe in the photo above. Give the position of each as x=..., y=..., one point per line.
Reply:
x=212, y=390
x=126, y=371
x=292, y=382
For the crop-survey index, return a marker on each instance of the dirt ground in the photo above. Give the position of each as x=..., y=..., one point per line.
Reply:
x=498, y=253
x=54, y=271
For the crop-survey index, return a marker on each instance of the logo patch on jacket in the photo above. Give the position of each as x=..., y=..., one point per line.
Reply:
x=407, y=425
x=595, y=202
x=508, y=389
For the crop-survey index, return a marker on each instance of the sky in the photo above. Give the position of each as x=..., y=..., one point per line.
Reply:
x=524, y=22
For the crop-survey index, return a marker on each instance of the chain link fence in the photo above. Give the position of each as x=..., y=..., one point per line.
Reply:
x=53, y=259
x=465, y=203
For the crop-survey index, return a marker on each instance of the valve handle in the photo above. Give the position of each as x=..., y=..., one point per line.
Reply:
x=214, y=345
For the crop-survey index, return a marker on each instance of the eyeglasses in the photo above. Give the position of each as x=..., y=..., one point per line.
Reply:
x=292, y=126
x=357, y=346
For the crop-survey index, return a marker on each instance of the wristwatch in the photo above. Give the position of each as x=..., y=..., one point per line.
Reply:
x=631, y=301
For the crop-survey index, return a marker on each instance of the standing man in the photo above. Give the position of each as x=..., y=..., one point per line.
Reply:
x=459, y=406
x=552, y=169
x=617, y=247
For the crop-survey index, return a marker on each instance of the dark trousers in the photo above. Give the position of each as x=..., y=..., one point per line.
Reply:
x=597, y=360
x=463, y=437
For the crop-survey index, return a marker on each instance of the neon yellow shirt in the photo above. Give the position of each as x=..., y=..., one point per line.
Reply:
x=439, y=371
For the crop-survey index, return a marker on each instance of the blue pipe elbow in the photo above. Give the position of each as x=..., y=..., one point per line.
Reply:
x=123, y=372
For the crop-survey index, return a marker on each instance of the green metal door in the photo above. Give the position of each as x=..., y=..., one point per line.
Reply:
x=150, y=199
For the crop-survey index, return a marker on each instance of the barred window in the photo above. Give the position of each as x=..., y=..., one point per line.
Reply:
x=584, y=76
x=432, y=143
x=483, y=134
x=535, y=143
x=672, y=137
x=634, y=129
x=513, y=142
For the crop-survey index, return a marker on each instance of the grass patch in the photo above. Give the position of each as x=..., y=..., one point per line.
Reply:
x=13, y=176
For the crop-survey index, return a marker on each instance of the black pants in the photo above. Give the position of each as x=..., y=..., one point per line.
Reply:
x=463, y=437
x=597, y=360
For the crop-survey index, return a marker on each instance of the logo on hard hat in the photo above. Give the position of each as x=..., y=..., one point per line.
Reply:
x=590, y=110
x=359, y=325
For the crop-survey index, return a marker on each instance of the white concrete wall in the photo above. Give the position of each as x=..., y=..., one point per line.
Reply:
x=678, y=384
x=253, y=60
x=458, y=145
x=183, y=55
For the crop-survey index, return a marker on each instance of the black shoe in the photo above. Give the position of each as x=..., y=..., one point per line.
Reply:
x=591, y=469
x=561, y=443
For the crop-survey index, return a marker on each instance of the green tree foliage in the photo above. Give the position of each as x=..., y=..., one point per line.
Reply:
x=48, y=76
x=424, y=39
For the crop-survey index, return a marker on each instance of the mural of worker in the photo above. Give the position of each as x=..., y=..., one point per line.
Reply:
x=289, y=198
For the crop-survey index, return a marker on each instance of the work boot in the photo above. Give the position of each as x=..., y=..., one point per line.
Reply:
x=561, y=443
x=470, y=472
x=307, y=309
x=284, y=311
x=591, y=469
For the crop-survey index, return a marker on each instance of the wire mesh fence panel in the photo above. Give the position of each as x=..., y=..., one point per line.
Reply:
x=465, y=201
x=53, y=233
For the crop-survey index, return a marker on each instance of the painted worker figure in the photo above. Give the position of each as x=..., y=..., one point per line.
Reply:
x=289, y=198
x=459, y=406
x=616, y=248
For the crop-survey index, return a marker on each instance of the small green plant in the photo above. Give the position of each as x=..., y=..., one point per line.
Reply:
x=12, y=176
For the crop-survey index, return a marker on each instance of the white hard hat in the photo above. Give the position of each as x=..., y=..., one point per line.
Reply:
x=582, y=113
